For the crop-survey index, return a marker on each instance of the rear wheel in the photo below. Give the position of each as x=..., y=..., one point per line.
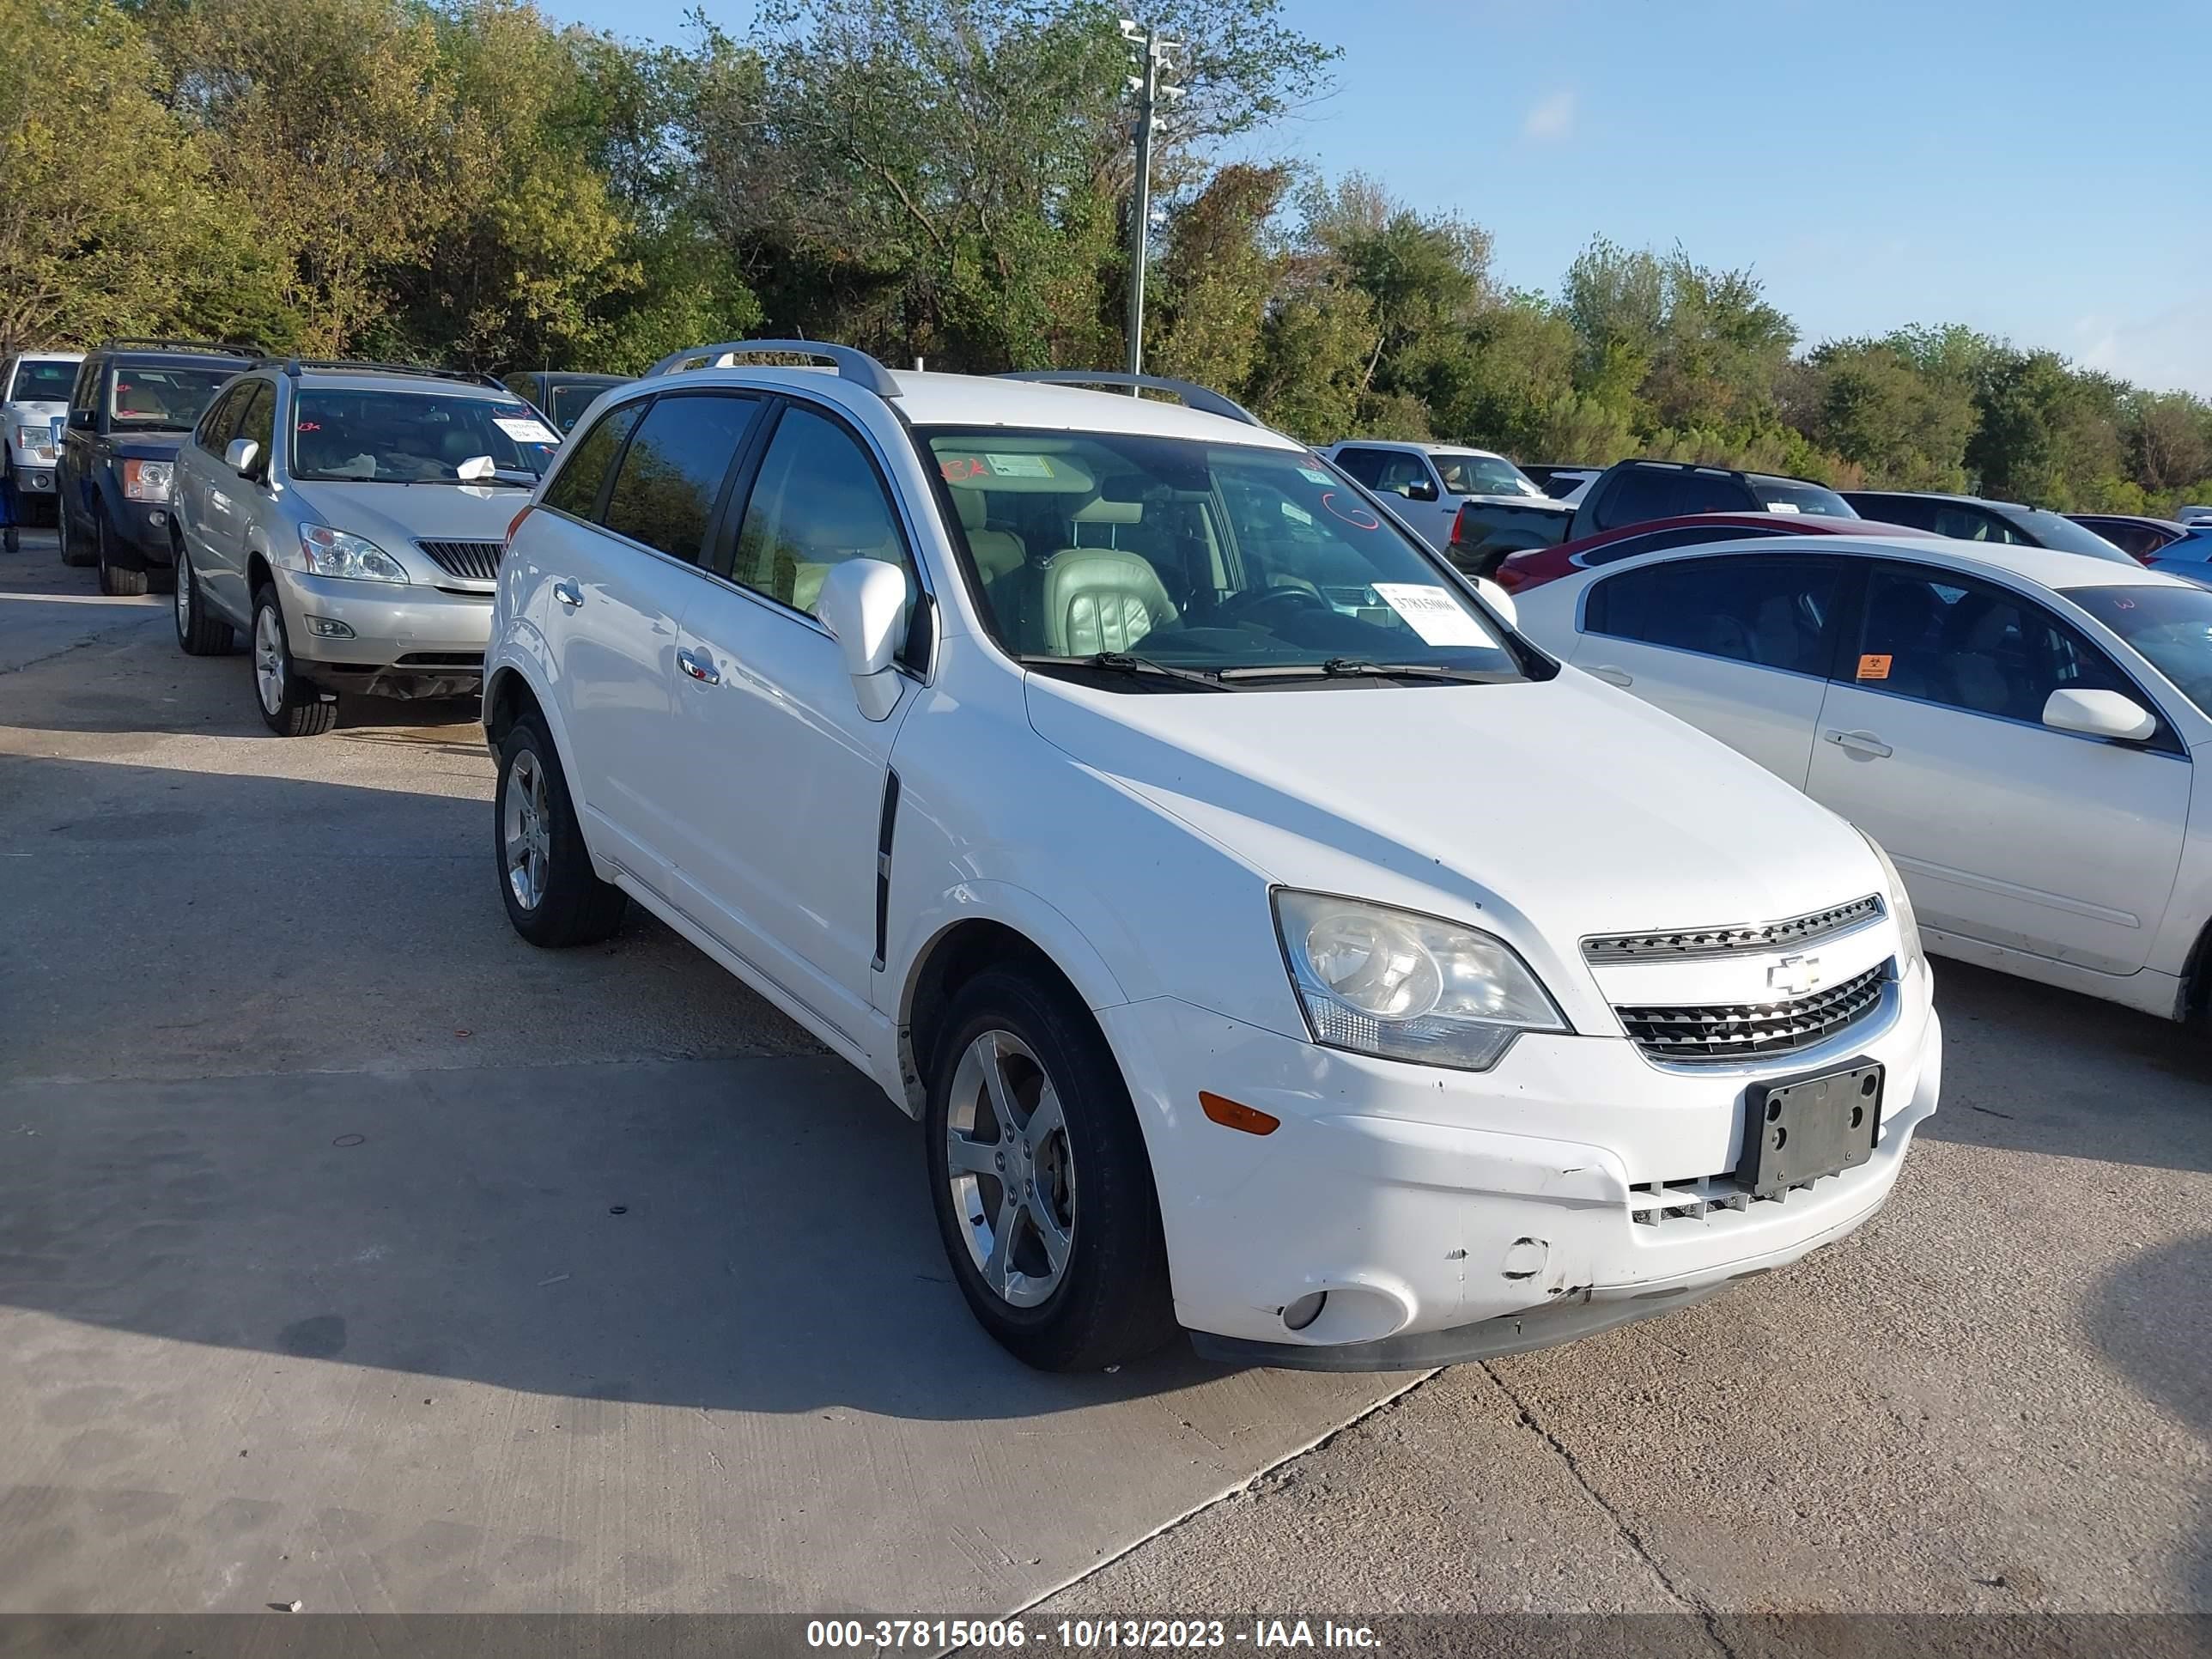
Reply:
x=200, y=634
x=553, y=897
x=73, y=552
x=114, y=579
x=293, y=707
x=1042, y=1185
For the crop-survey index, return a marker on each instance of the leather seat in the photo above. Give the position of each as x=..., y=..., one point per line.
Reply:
x=998, y=552
x=1083, y=600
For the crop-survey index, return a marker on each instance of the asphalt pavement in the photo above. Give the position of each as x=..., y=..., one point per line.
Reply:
x=353, y=1252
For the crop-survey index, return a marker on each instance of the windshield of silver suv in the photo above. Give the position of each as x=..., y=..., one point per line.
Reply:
x=1208, y=563
x=361, y=436
x=148, y=397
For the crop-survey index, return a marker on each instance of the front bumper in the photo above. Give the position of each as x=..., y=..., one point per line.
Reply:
x=410, y=640
x=142, y=535
x=34, y=478
x=1457, y=1215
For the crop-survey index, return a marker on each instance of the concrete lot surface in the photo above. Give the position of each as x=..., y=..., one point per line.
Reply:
x=353, y=1252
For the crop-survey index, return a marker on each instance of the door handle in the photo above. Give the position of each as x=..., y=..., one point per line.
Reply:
x=1612, y=676
x=569, y=593
x=700, y=668
x=1859, y=743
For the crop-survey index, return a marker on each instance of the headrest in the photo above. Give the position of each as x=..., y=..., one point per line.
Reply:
x=974, y=511
x=1102, y=511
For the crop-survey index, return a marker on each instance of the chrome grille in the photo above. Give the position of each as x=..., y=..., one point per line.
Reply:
x=1743, y=1030
x=476, y=561
x=1729, y=941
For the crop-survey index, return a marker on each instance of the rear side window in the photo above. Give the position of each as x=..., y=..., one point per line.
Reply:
x=1365, y=465
x=1915, y=512
x=668, y=479
x=815, y=503
x=576, y=487
x=1639, y=494
x=1773, y=613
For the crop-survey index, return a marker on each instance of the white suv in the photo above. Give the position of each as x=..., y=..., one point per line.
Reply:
x=1273, y=941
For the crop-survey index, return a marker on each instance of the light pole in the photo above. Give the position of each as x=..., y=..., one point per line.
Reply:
x=1152, y=58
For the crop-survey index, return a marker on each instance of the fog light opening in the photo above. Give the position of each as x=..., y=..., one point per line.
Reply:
x=328, y=627
x=1303, y=1311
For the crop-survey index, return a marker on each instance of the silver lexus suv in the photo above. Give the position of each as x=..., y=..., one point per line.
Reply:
x=348, y=518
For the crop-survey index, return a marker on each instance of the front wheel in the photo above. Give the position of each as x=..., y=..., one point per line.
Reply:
x=293, y=707
x=553, y=897
x=115, y=579
x=1042, y=1185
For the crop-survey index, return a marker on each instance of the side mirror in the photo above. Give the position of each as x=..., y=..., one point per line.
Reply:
x=1500, y=600
x=240, y=454
x=2099, y=715
x=1421, y=489
x=864, y=604
x=477, y=467
x=83, y=420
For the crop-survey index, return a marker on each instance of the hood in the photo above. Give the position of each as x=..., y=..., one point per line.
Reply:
x=1566, y=803
x=394, y=514
x=147, y=446
x=28, y=409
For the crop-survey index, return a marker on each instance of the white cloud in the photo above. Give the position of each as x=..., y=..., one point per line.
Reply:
x=1552, y=119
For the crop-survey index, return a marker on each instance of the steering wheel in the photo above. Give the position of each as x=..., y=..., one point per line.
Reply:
x=1295, y=593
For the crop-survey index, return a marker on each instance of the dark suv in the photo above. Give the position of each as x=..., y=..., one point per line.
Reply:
x=562, y=395
x=1971, y=519
x=134, y=402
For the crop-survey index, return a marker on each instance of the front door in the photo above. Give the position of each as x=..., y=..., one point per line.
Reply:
x=2006, y=831
x=1738, y=645
x=786, y=776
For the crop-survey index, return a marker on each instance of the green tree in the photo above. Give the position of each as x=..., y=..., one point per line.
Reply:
x=1874, y=406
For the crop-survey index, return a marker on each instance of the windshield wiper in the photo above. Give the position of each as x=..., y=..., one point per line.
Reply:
x=1122, y=662
x=1352, y=668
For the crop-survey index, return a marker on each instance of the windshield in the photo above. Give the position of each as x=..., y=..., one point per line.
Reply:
x=1213, y=557
x=1484, y=475
x=1795, y=495
x=43, y=383
x=146, y=396
x=2052, y=531
x=2171, y=627
x=414, y=437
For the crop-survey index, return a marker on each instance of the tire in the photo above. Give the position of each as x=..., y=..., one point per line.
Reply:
x=72, y=552
x=1108, y=1300
x=199, y=632
x=292, y=707
x=553, y=897
x=10, y=541
x=114, y=579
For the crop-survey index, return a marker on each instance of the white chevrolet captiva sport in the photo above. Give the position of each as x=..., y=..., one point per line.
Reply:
x=1273, y=943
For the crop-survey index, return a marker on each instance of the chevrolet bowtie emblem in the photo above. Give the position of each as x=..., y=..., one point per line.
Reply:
x=1794, y=975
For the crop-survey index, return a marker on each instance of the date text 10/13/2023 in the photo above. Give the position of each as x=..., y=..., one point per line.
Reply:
x=1086, y=1635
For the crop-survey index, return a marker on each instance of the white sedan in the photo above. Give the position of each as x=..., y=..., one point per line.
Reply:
x=2020, y=727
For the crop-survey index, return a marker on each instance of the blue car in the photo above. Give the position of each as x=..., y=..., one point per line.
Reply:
x=2180, y=550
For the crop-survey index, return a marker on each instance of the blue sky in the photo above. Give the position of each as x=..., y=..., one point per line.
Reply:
x=2038, y=170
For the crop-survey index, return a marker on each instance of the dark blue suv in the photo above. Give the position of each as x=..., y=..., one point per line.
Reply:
x=134, y=402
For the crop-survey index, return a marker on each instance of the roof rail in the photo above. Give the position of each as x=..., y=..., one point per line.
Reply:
x=370, y=365
x=1198, y=397
x=210, y=348
x=852, y=364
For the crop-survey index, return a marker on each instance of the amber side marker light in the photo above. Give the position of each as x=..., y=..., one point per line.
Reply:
x=1230, y=1115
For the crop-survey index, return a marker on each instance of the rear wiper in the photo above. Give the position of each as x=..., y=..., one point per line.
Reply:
x=1346, y=668
x=1122, y=662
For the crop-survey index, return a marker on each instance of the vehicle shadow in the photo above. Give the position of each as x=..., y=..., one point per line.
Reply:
x=2031, y=1068
x=2153, y=1319
x=377, y=1135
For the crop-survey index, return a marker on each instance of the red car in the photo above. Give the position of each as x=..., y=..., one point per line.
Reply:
x=1538, y=565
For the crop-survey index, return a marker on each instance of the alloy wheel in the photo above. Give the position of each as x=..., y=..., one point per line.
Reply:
x=1012, y=1170
x=269, y=660
x=524, y=831
x=184, y=600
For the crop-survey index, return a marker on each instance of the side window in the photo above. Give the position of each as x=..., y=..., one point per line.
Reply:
x=815, y=503
x=1403, y=474
x=1907, y=510
x=1774, y=613
x=1948, y=639
x=257, y=421
x=668, y=479
x=83, y=395
x=1365, y=465
x=1639, y=494
x=576, y=487
x=1706, y=492
x=220, y=421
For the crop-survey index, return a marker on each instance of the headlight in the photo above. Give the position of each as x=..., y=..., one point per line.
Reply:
x=327, y=552
x=1900, y=905
x=147, y=481
x=37, y=441
x=1401, y=986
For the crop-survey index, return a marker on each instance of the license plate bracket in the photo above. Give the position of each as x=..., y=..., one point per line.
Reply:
x=1805, y=1127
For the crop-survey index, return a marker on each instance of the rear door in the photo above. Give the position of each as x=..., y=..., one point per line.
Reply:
x=1738, y=645
x=1931, y=739
x=785, y=802
x=628, y=526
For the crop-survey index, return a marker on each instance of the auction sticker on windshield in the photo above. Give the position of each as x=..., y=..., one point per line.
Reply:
x=527, y=431
x=1433, y=613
